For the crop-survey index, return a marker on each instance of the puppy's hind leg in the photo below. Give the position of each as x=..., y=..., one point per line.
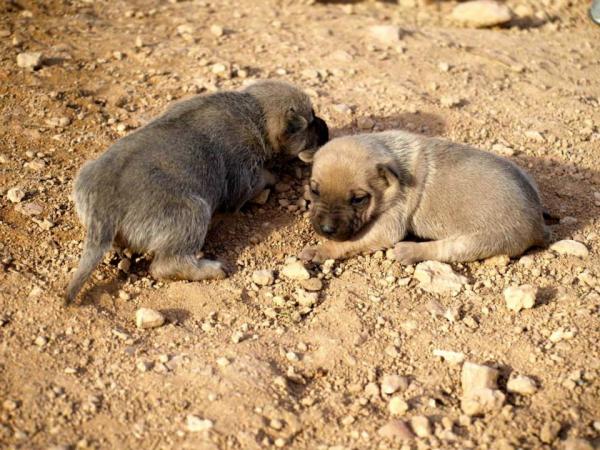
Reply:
x=98, y=241
x=186, y=267
x=462, y=248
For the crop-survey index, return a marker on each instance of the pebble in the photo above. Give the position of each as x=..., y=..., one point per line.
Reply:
x=450, y=101
x=312, y=284
x=342, y=108
x=365, y=123
x=295, y=271
x=421, y=426
x=263, y=277
x=15, y=195
x=148, y=318
x=222, y=361
x=196, y=424
x=438, y=277
x=481, y=13
x=503, y=150
x=497, y=261
x=398, y=406
x=217, y=30
x=570, y=247
x=534, y=136
x=521, y=384
x=30, y=60
x=578, y=444
x=10, y=405
x=307, y=299
x=40, y=341
x=549, y=431
x=393, y=383
x=185, y=28
x=385, y=34
x=480, y=393
x=450, y=356
x=396, y=429
x=261, y=198
x=520, y=297
x=56, y=122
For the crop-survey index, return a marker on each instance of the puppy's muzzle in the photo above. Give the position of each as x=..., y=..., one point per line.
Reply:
x=332, y=229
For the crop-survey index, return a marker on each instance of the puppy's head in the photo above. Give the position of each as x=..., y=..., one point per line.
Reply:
x=291, y=123
x=352, y=183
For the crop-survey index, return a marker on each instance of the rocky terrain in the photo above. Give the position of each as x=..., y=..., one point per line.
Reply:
x=358, y=354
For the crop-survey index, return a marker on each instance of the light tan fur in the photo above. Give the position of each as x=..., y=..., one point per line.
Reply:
x=470, y=204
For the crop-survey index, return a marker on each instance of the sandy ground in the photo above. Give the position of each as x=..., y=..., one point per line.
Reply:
x=264, y=370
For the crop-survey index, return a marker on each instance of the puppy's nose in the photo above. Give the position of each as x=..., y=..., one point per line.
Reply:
x=327, y=229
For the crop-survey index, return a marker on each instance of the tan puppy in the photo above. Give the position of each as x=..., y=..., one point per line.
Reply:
x=370, y=190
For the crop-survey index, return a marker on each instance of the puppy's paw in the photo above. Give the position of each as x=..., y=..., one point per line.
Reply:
x=212, y=270
x=317, y=254
x=407, y=253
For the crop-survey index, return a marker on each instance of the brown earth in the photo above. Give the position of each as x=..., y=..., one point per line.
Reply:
x=86, y=377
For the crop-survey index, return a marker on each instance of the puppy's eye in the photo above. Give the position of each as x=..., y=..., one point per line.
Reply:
x=315, y=191
x=360, y=200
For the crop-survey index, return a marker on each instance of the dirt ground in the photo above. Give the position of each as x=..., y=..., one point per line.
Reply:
x=265, y=371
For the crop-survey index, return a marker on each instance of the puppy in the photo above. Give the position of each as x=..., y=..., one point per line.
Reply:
x=369, y=191
x=156, y=189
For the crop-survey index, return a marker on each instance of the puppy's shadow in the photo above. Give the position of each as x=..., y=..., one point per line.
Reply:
x=419, y=122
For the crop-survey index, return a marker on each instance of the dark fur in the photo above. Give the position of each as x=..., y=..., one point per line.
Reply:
x=156, y=189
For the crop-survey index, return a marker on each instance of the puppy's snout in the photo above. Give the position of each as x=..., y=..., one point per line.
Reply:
x=327, y=229
x=322, y=131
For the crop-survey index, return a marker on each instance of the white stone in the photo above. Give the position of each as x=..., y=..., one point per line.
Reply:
x=520, y=297
x=217, y=30
x=29, y=60
x=196, y=424
x=476, y=376
x=521, y=384
x=481, y=13
x=295, y=271
x=307, y=299
x=421, y=426
x=393, y=383
x=148, y=318
x=15, y=195
x=398, y=406
x=570, y=247
x=482, y=401
x=450, y=356
x=385, y=34
x=395, y=429
x=438, y=277
x=263, y=277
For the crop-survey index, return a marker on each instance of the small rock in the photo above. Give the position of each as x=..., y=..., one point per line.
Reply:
x=148, y=318
x=480, y=393
x=40, y=341
x=263, y=277
x=9, y=405
x=217, y=30
x=312, y=284
x=421, y=426
x=307, y=299
x=185, y=28
x=568, y=220
x=450, y=101
x=31, y=209
x=578, y=444
x=144, y=366
x=520, y=297
x=393, y=383
x=497, y=261
x=342, y=108
x=15, y=195
x=396, y=429
x=534, y=136
x=385, y=34
x=124, y=265
x=56, y=122
x=570, y=247
x=449, y=356
x=561, y=335
x=443, y=66
x=222, y=361
x=550, y=431
x=521, y=384
x=30, y=60
x=398, y=406
x=481, y=13
x=196, y=424
x=295, y=271
x=365, y=123
x=261, y=198
x=503, y=150
x=438, y=277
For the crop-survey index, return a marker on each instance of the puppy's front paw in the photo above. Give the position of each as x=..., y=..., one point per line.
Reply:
x=317, y=254
x=407, y=253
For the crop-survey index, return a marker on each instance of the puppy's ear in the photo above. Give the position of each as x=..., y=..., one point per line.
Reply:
x=294, y=122
x=307, y=156
x=392, y=174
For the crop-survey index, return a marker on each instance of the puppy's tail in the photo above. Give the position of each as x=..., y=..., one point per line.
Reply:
x=98, y=241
